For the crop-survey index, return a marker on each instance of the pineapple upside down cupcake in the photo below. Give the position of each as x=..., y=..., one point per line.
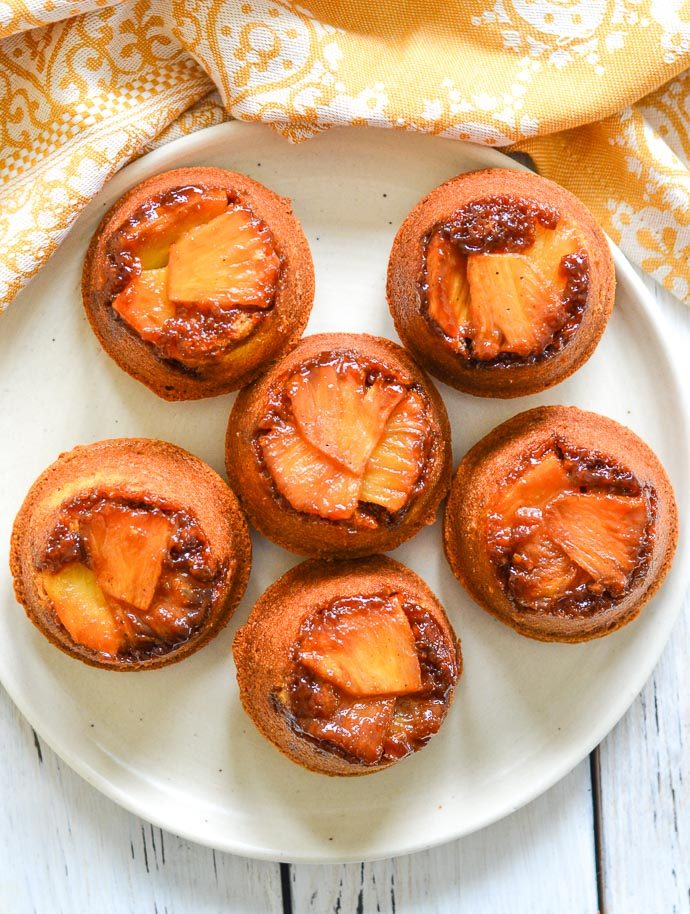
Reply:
x=347, y=667
x=340, y=449
x=196, y=279
x=130, y=554
x=561, y=523
x=500, y=283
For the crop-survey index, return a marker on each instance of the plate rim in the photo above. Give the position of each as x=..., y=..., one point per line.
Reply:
x=130, y=174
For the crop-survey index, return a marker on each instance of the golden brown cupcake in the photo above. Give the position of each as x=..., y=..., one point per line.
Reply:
x=500, y=283
x=130, y=554
x=347, y=667
x=196, y=279
x=341, y=449
x=561, y=523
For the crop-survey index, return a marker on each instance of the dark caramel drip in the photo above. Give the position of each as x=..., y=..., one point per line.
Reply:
x=499, y=225
x=191, y=338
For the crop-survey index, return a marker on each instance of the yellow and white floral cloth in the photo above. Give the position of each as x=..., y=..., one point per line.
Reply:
x=594, y=90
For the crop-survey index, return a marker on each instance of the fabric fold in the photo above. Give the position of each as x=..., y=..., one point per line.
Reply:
x=594, y=90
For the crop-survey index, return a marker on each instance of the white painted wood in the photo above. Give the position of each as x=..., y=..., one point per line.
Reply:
x=645, y=793
x=540, y=860
x=644, y=763
x=66, y=849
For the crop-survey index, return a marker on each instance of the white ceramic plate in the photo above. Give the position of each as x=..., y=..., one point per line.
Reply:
x=174, y=745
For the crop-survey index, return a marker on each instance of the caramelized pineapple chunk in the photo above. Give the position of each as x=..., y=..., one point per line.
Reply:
x=359, y=728
x=512, y=307
x=345, y=434
x=448, y=292
x=504, y=300
x=397, y=461
x=543, y=479
x=144, y=303
x=309, y=480
x=126, y=549
x=414, y=722
x=550, y=248
x=228, y=262
x=561, y=538
x=601, y=533
x=339, y=414
x=365, y=649
x=151, y=238
x=82, y=608
x=541, y=572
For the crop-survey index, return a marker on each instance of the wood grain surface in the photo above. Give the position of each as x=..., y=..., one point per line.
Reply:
x=494, y=870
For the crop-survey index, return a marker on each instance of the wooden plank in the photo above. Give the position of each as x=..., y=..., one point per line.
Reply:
x=644, y=771
x=540, y=859
x=66, y=849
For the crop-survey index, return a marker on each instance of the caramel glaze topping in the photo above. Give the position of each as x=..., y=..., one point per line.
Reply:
x=128, y=579
x=344, y=439
x=544, y=287
x=197, y=304
x=371, y=679
x=571, y=532
x=499, y=225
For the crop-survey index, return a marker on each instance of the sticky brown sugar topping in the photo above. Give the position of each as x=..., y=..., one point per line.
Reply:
x=346, y=440
x=128, y=580
x=193, y=273
x=570, y=533
x=505, y=281
x=371, y=678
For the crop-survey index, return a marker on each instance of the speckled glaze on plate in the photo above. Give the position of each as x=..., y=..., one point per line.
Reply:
x=174, y=745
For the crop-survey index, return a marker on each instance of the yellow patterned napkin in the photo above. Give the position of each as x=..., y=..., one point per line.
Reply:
x=594, y=90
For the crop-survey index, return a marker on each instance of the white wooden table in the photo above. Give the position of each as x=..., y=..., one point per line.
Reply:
x=613, y=836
